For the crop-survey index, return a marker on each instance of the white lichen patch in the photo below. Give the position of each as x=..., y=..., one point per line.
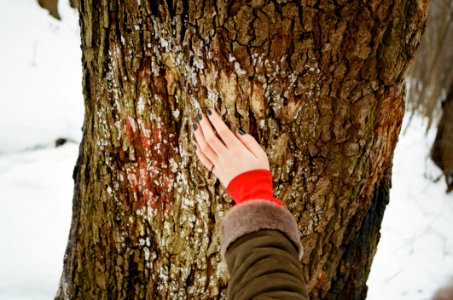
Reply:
x=238, y=69
x=195, y=104
x=163, y=276
x=187, y=203
x=175, y=113
x=146, y=250
x=213, y=95
x=132, y=123
x=119, y=128
x=198, y=63
x=164, y=44
x=173, y=165
x=141, y=105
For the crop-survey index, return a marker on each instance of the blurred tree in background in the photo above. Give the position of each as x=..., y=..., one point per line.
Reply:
x=430, y=83
x=52, y=6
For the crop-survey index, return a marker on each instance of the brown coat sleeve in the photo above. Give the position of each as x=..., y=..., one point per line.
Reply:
x=260, y=244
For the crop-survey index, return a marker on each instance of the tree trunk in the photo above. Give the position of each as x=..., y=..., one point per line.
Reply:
x=320, y=86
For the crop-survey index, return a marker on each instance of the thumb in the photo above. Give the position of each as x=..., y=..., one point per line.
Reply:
x=250, y=142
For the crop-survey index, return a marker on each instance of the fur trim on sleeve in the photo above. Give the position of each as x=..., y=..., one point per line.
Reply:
x=255, y=215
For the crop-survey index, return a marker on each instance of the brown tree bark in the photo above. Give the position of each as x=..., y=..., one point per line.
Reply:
x=318, y=83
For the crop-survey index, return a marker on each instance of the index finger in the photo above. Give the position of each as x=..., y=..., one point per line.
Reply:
x=222, y=129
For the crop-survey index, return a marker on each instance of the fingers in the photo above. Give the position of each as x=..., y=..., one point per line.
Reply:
x=250, y=142
x=204, y=160
x=202, y=145
x=210, y=135
x=222, y=129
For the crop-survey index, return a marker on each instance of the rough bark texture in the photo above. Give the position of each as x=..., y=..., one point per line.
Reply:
x=442, y=150
x=318, y=83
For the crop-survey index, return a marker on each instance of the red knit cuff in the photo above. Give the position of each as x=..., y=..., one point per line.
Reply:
x=254, y=184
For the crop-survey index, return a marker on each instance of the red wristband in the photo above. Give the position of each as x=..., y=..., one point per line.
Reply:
x=254, y=184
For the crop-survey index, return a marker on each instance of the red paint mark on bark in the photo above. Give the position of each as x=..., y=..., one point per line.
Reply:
x=150, y=175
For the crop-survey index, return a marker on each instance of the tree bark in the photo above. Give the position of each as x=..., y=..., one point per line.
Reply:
x=319, y=84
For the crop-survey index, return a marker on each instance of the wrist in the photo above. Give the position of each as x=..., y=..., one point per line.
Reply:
x=252, y=185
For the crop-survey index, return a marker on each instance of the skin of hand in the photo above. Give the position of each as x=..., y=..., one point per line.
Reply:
x=231, y=154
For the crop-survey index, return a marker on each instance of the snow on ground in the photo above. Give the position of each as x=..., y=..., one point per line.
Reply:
x=42, y=101
x=415, y=253
x=35, y=214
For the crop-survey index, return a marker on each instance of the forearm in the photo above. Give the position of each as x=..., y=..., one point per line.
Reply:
x=260, y=245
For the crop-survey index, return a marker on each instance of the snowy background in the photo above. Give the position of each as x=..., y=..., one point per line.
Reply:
x=41, y=101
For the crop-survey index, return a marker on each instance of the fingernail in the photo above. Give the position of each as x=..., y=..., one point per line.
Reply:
x=241, y=132
x=209, y=112
x=199, y=116
x=194, y=126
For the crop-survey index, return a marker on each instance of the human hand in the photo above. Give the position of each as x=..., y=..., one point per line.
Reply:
x=232, y=154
